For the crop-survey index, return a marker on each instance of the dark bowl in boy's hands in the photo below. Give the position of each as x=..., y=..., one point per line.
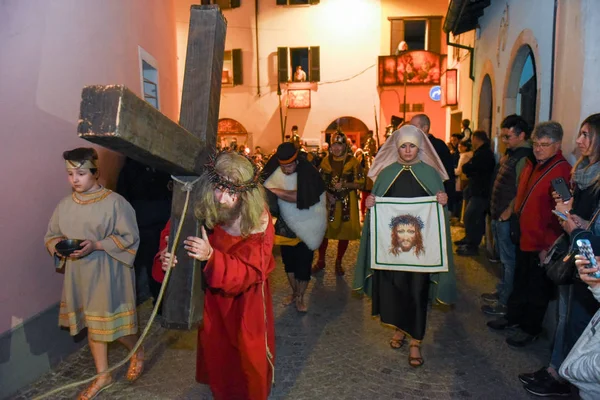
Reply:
x=66, y=247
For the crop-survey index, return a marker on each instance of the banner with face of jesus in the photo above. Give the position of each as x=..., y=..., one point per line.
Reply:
x=408, y=234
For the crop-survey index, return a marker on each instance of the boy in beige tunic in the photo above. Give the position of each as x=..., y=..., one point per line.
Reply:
x=99, y=281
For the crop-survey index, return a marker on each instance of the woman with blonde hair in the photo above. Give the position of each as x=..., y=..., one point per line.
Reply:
x=576, y=304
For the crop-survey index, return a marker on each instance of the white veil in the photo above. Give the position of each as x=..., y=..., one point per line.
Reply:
x=388, y=154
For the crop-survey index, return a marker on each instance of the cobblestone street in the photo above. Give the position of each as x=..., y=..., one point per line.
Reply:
x=337, y=351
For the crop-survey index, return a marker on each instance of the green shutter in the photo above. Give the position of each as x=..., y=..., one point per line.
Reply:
x=314, y=58
x=434, y=38
x=397, y=34
x=281, y=2
x=235, y=3
x=236, y=61
x=282, y=64
x=313, y=2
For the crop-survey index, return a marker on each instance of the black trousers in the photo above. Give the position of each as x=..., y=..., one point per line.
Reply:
x=475, y=220
x=297, y=260
x=532, y=291
x=149, y=246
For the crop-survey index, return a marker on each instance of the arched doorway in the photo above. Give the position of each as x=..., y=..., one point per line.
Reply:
x=230, y=133
x=484, y=116
x=354, y=128
x=521, y=94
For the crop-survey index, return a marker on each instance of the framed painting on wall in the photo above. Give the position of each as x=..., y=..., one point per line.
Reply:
x=299, y=98
x=419, y=67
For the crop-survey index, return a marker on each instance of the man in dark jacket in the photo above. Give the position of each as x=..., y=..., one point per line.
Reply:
x=479, y=170
x=515, y=135
x=422, y=122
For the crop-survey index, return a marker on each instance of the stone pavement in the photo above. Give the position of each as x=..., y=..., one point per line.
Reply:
x=338, y=351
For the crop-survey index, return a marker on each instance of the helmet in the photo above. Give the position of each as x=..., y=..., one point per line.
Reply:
x=339, y=137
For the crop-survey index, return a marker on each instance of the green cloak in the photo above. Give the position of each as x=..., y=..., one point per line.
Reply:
x=444, y=283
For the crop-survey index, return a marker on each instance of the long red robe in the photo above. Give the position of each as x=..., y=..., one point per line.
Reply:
x=236, y=344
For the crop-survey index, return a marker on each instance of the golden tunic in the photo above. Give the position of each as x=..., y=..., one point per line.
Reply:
x=342, y=225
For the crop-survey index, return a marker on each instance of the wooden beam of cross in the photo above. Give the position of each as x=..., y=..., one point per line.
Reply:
x=114, y=117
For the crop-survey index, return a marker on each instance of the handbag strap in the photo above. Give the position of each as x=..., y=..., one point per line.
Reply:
x=538, y=181
x=594, y=217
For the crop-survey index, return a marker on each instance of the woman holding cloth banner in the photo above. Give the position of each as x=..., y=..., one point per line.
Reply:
x=406, y=166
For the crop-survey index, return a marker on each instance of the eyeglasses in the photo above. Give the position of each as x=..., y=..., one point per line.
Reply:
x=542, y=145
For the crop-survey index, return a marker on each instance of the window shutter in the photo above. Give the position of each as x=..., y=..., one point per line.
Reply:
x=313, y=2
x=282, y=64
x=236, y=61
x=397, y=34
x=281, y=2
x=434, y=36
x=235, y=3
x=314, y=58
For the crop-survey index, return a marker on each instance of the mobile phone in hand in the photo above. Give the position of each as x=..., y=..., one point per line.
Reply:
x=560, y=186
x=560, y=215
x=585, y=249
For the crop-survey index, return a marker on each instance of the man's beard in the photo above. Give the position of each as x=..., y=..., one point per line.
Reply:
x=226, y=214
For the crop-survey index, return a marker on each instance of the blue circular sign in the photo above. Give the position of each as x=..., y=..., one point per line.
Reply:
x=435, y=93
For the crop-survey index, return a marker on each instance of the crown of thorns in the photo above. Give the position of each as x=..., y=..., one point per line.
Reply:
x=407, y=219
x=223, y=182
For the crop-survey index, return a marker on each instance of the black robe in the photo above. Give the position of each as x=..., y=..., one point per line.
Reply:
x=400, y=298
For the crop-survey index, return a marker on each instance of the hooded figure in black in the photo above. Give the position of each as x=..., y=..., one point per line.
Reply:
x=296, y=195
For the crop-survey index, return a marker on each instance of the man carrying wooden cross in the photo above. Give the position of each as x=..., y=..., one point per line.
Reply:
x=113, y=117
x=236, y=343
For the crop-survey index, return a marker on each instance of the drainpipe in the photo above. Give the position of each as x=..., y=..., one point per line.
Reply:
x=553, y=61
x=470, y=49
x=257, y=53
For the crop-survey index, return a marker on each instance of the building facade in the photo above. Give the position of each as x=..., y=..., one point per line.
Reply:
x=50, y=51
x=534, y=58
x=337, y=43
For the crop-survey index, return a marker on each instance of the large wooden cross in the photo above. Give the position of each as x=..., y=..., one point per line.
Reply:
x=114, y=117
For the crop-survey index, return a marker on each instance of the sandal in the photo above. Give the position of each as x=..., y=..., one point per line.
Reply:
x=415, y=362
x=300, y=306
x=289, y=300
x=339, y=270
x=397, y=343
x=319, y=266
x=136, y=367
x=92, y=391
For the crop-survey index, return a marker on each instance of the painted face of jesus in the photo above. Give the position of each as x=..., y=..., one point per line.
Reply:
x=408, y=152
x=82, y=179
x=406, y=234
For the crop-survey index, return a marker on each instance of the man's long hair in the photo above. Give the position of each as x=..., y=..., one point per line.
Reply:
x=407, y=219
x=251, y=203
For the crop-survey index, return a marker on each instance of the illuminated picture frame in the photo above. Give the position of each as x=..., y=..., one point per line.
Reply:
x=420, y=67
x=298, y=98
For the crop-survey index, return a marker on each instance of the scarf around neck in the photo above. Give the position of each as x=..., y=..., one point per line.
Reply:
x=586, y=174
